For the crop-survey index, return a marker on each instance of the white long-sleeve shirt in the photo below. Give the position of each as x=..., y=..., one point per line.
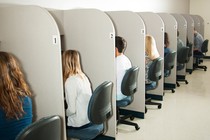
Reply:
x=123, y=64
x=78, y=92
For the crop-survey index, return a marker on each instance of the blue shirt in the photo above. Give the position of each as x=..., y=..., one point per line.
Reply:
x=166, y=51
x=198, y=41
x=9, y=128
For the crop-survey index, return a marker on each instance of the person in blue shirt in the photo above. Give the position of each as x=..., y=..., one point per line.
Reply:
x=198, y=41
x=15, y=101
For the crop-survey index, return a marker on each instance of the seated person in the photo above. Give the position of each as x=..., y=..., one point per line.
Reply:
x=15, y=101
x=180, y=43
x=198, y=41
x=122, y=63
x=151, y=53
x=77, y=90
x=166, y=44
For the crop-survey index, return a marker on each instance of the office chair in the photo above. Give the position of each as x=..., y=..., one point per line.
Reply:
x=99, y=111
x=154, y=75
x=182, y=59
x=199, y=58
x=47, y=128
x=190, y=45
x=128, y=88
x=169, y=61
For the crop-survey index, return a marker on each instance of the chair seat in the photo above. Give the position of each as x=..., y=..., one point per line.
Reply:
x=85, y=133
x=150, y=86
x=124, y=102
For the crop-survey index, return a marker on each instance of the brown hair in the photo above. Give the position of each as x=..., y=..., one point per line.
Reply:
x=12, y=86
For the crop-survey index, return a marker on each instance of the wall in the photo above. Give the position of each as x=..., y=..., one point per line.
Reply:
x=171, y=6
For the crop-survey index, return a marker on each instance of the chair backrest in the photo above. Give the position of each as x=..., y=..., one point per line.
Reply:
x=100, y=105
x=47, y=128
x=190, y=45
x=155, y=72
x=204, y=47
x=129, y=83
x=182, y=55
x=169, y=60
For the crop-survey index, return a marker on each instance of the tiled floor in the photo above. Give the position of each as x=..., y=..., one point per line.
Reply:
x=185, y=114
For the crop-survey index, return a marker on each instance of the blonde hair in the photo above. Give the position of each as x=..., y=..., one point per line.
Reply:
x=71, y=64
x=150, y=47
x=12, y=86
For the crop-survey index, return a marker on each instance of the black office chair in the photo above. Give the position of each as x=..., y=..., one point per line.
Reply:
x=154, y=75
x=47, y=128
x=199, y=57
x=182, y=59
x=128, y=88
x=190, y=53
x=99, y=111
x=169, y=62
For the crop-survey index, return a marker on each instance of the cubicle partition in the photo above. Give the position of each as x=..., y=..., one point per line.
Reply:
x=182, y=28
x=32, y=35
x=91, y=32
x=170, y=25
x=154, y=26
x=190, y=37
x=131, y=27
x=201, y=24
x=197, y=24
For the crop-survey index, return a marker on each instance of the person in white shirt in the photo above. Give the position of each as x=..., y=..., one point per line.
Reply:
x=122, y=64
x=77, y=90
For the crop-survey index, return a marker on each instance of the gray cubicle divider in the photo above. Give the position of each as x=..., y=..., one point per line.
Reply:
x=197, y=24
x=201, y=24
x=91, y=32
x=182, y=28
x=155, y=27
x=171, y=28
x=32, y=35
x=131, y=27
x=190, y=36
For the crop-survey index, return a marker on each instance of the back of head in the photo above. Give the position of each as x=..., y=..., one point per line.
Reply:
x=166, y=40
x=12, y=86
x=150, y=47
x=71, y=63
x=120, y=43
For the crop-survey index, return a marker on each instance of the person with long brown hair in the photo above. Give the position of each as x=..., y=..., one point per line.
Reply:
x=15, y=101
x=77, y=90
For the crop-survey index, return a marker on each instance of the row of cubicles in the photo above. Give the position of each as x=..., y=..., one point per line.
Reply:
x=36, y=36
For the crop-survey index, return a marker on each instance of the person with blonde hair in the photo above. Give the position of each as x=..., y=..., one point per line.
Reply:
x=77, y=90
x=151, y=53
x=15, y=101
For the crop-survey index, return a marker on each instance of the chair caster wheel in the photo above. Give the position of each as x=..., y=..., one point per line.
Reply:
x=159, y=106
x=137, y=127
x=131, y=118
x=172, y=90
x=145, y=110
x=186, y=82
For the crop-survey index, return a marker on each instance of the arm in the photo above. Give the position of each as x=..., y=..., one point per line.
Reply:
x=71, y=95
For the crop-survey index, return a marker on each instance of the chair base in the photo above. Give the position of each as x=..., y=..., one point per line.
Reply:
x=122, y=120
x=195, y=66
x=149, y=102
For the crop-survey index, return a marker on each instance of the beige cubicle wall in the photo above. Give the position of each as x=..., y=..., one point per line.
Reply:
x=91, y=32
x=182, y=28
x=201, y=24
x=170, y=26
x=190, y=37
x=32, y=35
x=155, y=26
x=131, y=27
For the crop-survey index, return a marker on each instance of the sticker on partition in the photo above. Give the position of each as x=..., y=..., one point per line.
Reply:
x=142, y=31
x=55, y=39
x=111, y=35
x=175, y=27
x=162, y=29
